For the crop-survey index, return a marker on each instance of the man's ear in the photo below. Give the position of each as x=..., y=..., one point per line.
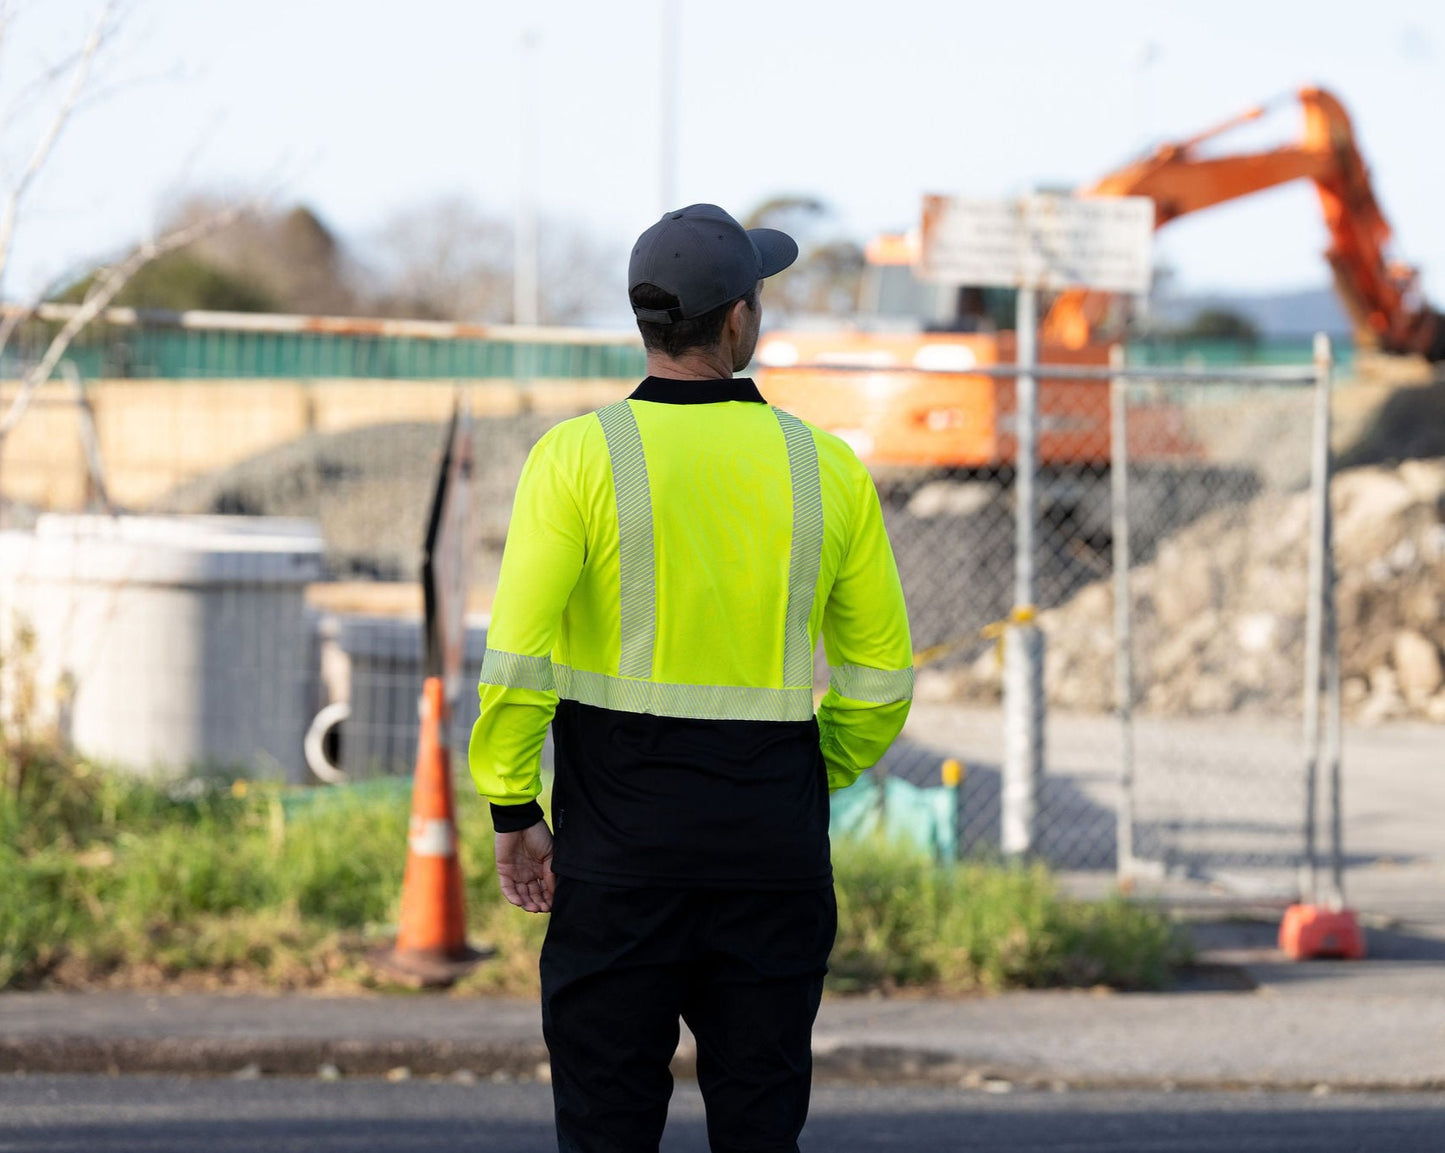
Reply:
x=737, y=322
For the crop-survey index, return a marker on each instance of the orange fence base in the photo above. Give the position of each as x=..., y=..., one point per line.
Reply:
x=1309, y=931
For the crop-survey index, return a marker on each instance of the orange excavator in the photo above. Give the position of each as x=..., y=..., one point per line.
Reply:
x=1381, y=296
x=896, y=383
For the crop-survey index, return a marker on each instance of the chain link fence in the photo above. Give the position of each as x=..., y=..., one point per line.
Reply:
x=180, y=632
x=1208, y=779
x=170, y=638
x=1220, y=608
x=1210, y=520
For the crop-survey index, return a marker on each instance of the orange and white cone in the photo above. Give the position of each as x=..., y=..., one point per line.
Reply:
x=431, y=945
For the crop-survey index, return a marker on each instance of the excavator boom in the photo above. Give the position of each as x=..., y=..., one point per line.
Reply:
x=1379, y=295
x=903, y=387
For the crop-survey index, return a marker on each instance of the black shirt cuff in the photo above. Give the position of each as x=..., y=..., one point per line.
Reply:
x=515, y=818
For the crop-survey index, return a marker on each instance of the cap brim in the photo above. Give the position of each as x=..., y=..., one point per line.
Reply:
x=776, y=250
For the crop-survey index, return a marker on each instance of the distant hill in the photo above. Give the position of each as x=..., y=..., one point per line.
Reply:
x=1276, y=314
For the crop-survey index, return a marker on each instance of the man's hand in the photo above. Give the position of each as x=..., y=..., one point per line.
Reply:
x=524, y=867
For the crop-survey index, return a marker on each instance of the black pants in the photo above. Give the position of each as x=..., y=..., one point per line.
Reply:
x=743, y=969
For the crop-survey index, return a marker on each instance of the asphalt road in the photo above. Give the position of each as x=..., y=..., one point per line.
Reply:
x=58, y=1114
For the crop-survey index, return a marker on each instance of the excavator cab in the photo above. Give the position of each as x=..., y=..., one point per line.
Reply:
x=891, y=297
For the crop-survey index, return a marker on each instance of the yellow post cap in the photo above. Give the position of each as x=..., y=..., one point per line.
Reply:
x=953, y=773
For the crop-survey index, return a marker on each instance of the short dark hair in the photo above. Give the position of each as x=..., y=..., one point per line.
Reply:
x=676, y=338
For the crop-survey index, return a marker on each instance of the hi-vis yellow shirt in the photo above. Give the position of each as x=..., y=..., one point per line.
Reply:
x=677, y=555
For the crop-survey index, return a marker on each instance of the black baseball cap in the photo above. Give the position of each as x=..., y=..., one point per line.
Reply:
x=705, y=258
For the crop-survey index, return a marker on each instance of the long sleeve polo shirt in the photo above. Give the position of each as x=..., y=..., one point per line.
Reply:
x=670, y=565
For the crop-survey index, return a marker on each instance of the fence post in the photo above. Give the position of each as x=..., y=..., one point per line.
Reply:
x=1315, y=612
x=1324, y=366
x=1123, y=618
x=1023, y=642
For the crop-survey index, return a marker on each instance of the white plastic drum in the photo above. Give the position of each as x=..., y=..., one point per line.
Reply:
x=165, y=644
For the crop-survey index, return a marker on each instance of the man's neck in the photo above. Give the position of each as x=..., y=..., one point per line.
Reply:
x=695, y=364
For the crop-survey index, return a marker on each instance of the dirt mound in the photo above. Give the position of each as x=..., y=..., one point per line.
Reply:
x=371, y=490
x=1408, y=424
x=1219, y=612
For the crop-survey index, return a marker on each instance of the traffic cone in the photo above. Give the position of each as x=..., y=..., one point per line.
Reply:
x=431, y=945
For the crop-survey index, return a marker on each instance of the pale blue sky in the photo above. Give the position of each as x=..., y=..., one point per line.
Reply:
x=364, y=108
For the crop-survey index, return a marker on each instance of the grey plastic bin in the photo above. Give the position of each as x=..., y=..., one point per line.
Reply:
x=386, y=672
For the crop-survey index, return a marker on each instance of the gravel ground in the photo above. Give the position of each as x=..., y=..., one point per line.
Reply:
x=371, y=489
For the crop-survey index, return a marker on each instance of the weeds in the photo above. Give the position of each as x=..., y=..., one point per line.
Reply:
x=905, y=922
x=110, y=880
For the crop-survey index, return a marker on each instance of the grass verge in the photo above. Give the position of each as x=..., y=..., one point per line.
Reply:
x=207, y=883
x=904, y=922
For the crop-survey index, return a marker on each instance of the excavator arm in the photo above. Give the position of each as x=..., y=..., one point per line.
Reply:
x=1381, y=297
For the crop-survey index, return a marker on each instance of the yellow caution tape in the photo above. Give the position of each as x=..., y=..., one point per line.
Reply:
x=1021, y=615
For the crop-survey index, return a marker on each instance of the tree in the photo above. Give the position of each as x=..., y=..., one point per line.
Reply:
x=268, y=261
x=825, y=278
x=288, y=258
x=1221, y=324
x=448, y=260
x=180, y=281
x=578, y=275
x=444, y=260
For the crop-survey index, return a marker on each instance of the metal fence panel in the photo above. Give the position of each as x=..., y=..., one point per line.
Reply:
x=1218, y=522
x=1219, y=602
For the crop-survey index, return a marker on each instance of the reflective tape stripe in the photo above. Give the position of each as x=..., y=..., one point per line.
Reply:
x=631, y=690
x=878, y=686
x=807, y=553
x=514, y=671
x=635, y=553
x=432, y=837
x=702, y=702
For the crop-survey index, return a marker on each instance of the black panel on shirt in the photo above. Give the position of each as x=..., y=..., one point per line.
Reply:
x=662, y=390
x=659, y=801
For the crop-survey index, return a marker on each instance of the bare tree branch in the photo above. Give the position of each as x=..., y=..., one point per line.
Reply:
x=108, y=283
x=37, y=87
x=100, y=31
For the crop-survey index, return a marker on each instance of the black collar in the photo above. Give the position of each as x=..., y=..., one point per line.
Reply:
x=661, y=390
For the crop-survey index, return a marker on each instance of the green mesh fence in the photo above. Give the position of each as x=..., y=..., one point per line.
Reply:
x=113, y=351
x=1162, y=352
x=157, y=351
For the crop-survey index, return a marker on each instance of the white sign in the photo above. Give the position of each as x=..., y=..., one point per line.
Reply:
x=1044, y=242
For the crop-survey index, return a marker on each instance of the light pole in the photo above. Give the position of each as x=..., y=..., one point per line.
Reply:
x=667, y=103
x=524, y=252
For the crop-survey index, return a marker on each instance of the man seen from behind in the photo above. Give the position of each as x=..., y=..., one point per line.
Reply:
x=671, y=562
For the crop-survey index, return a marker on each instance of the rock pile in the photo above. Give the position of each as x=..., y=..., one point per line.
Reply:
x=1391, y=553
x=1219, y=613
